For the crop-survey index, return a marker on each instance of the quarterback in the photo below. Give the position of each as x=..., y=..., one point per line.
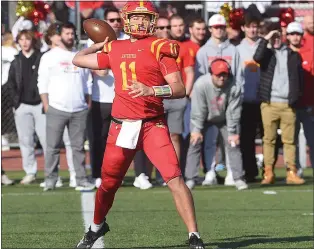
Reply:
x=145, y=72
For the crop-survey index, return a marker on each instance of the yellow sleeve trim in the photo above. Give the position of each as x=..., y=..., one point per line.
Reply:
x=152, y=47
x=158, y=50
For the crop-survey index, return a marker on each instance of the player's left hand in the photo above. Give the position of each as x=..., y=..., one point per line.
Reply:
x=138, y=89
x=234, y=140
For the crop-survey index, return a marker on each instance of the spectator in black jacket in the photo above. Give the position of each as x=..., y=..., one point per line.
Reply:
x=279, y=90
x=28, y=115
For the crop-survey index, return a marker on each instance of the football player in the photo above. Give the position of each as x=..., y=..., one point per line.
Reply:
x=145, y=72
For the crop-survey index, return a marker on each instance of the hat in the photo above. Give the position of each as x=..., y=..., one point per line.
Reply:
x=217, y=20
x=219, y=66
x=294, y=27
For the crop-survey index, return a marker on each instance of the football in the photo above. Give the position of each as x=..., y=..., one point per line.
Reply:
x=97, y=30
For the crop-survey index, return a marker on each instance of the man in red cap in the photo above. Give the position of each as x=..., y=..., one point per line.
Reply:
x=216, y=107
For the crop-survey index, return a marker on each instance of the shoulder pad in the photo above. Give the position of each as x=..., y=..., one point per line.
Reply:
x=107, y=47
x=165, y=47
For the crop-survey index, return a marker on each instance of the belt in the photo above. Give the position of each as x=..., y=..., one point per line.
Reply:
x=143, y=121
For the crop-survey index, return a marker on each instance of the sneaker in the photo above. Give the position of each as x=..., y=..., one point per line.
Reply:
x=28, y=179
x=195, y=242
x=97, y=182
x=190, y=184
x=59, y=183
x=142, y=182
x=5, y=146
x=241, y=185
x=229, y=181
x=210, y=178
x=85, y=186
x=5, y=180
x=72, y=183
x=91, y=237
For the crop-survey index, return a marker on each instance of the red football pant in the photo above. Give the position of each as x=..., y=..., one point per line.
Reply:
x=155, y=140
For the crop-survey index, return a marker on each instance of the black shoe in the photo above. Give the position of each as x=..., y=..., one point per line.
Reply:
x=90, y=237
x=195, y=242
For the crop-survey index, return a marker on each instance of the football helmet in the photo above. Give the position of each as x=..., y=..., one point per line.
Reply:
x=140, y=8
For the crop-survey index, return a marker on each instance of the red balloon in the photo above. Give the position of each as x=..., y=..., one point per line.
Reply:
x=236, y=18
x=286, y=17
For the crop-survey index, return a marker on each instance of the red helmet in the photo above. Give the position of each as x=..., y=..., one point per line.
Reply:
x=139, y=7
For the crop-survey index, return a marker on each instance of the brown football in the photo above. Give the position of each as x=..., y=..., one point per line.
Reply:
x=97, y=30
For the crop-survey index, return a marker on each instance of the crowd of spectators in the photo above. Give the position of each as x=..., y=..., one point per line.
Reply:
x=266, y=83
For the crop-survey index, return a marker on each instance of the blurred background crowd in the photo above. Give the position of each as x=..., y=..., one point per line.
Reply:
x=47, y=103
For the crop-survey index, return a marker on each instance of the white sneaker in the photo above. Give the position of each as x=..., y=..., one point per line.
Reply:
x=86, y=186
x=241, y=185
x=210, y=178
x=97, y=182
x=190, y=184
x=59, y=183
x=28, y=179
x=5, y=180
x=5, y=146
x=72, y=183
x=229, y=181
x=142, y=182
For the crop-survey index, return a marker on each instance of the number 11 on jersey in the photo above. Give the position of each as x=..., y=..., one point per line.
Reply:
x=123, y=67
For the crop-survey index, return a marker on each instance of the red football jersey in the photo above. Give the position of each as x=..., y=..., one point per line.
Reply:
x=147, y=61
x=193, y=48
x=184, y=59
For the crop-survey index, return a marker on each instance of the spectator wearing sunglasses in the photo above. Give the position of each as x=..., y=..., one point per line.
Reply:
x=102, y=98
x=162, y=28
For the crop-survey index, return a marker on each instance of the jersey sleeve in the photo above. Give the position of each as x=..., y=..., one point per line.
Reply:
x=103, y=60
x=168, y=65
x=165, y=48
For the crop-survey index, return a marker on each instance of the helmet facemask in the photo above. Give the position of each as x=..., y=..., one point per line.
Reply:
x=138, y=30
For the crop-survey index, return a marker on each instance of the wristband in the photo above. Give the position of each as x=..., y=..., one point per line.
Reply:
x=162, y=91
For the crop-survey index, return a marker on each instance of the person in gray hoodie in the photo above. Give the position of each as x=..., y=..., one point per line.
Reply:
x=216, y=106
x=218, y=46
x=249, y=78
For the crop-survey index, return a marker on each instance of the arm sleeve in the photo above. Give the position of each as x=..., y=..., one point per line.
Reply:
x=234, y=108
x=103, y=60
x=168, y=65
x=43, y=75
x=12, y=84
x=239, y=77
x=199, y=110
x=87, y=81
x=261, y=52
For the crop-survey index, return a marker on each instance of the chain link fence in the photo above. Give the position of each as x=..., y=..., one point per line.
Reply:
x=8, y=130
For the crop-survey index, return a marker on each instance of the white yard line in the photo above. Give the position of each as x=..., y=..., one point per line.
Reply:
x=88, y=204
x=261, y=190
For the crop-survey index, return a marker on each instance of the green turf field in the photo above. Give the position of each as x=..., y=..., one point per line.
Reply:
x=147, y=219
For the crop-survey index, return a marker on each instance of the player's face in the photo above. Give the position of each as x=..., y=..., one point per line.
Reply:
x=139, y=23
x=177, y=27
x=308, y=24
x=198, y=31
x=114, y=20
x=25, y=43
x=294, y=38
x=162, y=29
x=67, y=37
x=220, y=80
x=218, y=32
x=251, y=30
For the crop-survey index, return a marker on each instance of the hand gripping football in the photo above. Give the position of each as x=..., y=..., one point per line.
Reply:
x=97, y=30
